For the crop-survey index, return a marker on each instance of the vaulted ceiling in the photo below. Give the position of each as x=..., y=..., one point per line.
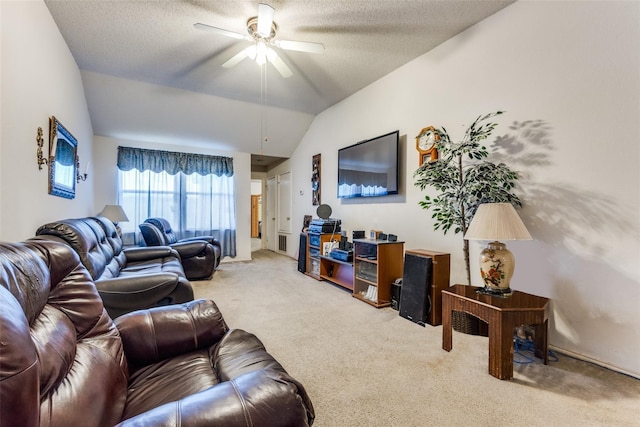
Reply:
x=149, y=75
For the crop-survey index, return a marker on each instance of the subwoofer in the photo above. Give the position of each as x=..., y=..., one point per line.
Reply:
x=425, y=274
x=302, y=253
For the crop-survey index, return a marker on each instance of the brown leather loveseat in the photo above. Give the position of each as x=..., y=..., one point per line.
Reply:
x=64, y=362
x=126, y=279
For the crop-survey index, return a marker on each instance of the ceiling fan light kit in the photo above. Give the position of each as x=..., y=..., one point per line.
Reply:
x=261, y=31
x=265, y=20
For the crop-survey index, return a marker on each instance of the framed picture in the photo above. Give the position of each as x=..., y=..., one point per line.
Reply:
x=63, y=160
x=315, y=180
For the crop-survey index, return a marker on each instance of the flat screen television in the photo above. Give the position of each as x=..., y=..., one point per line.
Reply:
x=369, y=168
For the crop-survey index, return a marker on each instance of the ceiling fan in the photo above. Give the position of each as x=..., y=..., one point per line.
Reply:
x=262, y=31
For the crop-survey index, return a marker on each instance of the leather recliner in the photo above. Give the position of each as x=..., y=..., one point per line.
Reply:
x=65, y=362
x=126, y=279
x=158, y=232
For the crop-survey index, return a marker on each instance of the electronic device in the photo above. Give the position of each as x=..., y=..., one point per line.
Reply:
x=396, y=291
x=325, y=226
x=343, y=243
x=342, y=255
x=425, y=275
x=358, y=234
x=382, y=236
x=392, y=238
x=369, y=168
x=302, y=253
x=415, y=304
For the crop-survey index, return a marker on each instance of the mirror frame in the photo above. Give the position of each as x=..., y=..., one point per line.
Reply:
x=59, y=134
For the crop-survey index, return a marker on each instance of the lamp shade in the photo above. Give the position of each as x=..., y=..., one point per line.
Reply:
x=114, y=213
x=497, y=221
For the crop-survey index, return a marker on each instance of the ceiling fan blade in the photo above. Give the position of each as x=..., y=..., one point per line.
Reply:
x=300, y=46
x=234, y=60
x=265, y=19
x=227, y=33
x=279, y=65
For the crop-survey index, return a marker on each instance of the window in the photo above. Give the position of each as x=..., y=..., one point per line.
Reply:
x=194, y=204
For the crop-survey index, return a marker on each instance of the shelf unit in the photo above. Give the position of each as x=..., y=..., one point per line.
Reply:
x=337, y=272
x=315, y=241
x=376, y=264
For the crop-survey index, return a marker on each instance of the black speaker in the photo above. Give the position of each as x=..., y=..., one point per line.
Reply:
x=302, y=253
x=415, y=302
x=396, y=291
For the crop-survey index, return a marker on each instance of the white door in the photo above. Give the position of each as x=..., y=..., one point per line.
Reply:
x=269, y=221
x=284, y=203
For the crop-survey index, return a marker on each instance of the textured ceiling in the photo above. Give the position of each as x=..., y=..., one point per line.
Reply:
x=154, y=42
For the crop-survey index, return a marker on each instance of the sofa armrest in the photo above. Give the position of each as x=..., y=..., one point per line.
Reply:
x=265, y=397
x=147, y=253
x=190, y=249
x=136, y=291
x=209, y=239
x=149, y=336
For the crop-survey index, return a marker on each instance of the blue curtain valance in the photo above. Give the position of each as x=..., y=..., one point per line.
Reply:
x=173, y=162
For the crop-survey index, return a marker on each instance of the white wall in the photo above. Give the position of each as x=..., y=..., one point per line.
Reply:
x=40, y=79
x=569, y=84
x=106, y=179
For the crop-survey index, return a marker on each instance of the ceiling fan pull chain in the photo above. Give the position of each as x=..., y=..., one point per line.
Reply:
x=263, y=113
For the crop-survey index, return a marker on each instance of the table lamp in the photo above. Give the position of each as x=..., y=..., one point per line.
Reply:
x=115, y=214
x=495, y=222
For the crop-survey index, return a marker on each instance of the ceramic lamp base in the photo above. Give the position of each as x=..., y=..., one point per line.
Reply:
x=496, y=268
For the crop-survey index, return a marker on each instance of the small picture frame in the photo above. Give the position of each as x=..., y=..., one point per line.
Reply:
x=305, y=223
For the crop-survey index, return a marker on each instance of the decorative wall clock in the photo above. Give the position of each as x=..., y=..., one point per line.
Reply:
x=426, y=145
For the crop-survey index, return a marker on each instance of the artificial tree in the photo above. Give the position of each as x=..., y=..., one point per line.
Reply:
x=464, y=179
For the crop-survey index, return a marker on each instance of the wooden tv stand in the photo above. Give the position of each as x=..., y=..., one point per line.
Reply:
x=376, y=264
x=337, y=272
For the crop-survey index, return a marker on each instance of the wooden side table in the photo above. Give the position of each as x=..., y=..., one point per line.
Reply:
x=502, y=314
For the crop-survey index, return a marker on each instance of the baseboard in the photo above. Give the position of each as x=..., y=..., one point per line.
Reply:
x=594, y=361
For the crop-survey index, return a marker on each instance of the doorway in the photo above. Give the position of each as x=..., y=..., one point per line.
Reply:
x=256, y=214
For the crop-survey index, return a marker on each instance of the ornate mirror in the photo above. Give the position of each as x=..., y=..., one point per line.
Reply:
x=62, y=160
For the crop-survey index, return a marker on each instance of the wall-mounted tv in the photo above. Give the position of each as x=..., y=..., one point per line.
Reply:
x=369, y=168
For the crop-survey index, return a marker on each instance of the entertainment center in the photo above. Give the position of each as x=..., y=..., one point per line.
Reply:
x=373, y=268
x=376, y=264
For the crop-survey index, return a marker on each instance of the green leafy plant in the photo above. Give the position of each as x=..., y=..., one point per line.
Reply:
x=464, y=179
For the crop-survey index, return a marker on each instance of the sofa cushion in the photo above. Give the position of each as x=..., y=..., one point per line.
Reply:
x=166, y=264
x=78, y=234
x=169, y=380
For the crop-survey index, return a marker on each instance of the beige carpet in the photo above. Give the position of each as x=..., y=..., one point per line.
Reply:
x=370, y=367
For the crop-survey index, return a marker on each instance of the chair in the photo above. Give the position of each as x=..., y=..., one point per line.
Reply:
x=65, y=362
x=197, y=259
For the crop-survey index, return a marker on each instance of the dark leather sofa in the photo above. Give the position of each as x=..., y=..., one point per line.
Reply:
x=126, y=279
x=200, y=255
x=158, y=232
x=65, y=362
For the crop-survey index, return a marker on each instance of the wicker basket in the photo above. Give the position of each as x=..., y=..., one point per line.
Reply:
x=468, y=324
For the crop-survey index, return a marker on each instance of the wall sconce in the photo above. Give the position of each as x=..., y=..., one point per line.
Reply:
x=79, y=176
x=40, y=142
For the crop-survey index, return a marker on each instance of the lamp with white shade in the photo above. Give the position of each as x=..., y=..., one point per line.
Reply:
x=115, y=214
x=496, y=222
